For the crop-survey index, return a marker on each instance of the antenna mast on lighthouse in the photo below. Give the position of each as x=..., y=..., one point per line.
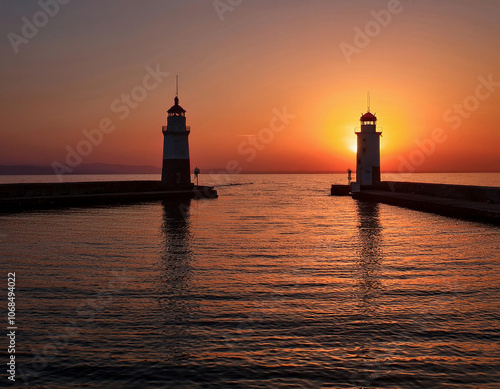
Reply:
x=177, y=86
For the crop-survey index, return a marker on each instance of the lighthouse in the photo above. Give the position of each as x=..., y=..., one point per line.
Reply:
x=368, y=151
x=176, y=170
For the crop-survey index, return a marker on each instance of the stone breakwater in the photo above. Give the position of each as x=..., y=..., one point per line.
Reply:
x=14, y=197
x=477, y=203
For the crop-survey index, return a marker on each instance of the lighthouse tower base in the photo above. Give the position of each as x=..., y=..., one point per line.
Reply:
x=176, y=173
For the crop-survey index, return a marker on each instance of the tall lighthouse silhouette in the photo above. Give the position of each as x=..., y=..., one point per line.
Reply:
x=176, y=169
x=368, y=151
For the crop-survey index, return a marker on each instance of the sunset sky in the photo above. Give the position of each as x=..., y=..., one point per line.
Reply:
x=431, y=67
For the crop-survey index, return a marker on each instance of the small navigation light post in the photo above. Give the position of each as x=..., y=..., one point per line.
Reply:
x=349, y=176
x=196, y=174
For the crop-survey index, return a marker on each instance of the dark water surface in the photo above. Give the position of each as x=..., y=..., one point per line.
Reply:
x=274, y=284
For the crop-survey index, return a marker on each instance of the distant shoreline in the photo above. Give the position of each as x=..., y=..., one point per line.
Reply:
x=114, y=169
x=84, y=169
x=217, y=172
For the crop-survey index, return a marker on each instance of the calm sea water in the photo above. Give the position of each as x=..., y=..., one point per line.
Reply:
x=274, y=284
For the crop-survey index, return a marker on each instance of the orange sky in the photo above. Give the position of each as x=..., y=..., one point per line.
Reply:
x=239, y=65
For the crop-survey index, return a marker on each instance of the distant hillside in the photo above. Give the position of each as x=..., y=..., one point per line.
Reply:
x=93, y=168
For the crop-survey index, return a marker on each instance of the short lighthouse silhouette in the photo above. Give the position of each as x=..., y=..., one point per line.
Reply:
x=368, y=151
x=176, y=170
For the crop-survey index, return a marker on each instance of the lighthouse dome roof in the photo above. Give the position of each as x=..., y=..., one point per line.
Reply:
x=176, y=108
x=368, y=117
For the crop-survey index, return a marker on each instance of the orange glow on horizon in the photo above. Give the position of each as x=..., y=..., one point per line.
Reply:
x=236, y=74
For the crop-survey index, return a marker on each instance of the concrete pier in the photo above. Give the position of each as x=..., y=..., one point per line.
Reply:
x=477, y=203
x=19, y=197
x=340, y=190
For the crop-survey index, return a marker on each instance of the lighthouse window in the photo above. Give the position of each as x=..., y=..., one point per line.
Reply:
x=364, y=140
x=364, y=149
